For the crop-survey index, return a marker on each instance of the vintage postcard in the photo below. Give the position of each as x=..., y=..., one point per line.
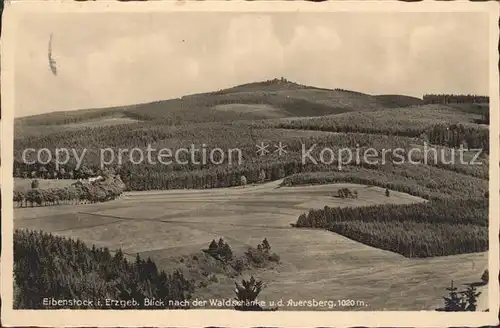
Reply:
x=250, y=164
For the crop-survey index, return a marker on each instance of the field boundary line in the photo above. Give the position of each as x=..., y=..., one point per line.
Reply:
x=228, y=224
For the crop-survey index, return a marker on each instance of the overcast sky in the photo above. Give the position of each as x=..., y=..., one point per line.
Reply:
x=110, y=59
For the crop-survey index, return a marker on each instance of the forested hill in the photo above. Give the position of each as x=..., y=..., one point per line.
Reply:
x=275, y=98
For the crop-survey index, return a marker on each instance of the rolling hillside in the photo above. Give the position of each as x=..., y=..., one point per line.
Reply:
x=274, y=98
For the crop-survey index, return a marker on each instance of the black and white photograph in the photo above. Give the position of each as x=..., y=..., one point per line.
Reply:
x=256, y=157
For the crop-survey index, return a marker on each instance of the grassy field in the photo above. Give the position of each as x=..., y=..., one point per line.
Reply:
x=168, y=224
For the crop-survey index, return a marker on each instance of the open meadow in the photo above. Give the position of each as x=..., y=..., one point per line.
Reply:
x=167, y=225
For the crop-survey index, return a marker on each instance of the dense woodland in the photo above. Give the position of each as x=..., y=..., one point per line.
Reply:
x=244, y=136
x=75, y=271
x=443, y=133
x=436, y=228
x=454, y=99
x=455, y=136
x=454, y=221
x=152, y=177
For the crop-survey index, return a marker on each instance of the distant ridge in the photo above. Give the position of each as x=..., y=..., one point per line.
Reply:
x=273, y=98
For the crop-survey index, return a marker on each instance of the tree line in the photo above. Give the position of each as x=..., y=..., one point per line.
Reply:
x=484, y=119
x=405, y=127
x=456, y=135
x=435, y=228
x=243, y=137
x=75, y=271
x=98, y=191
x=454, y=99
x=48, y=266
x=156, y=177
x=50, y=171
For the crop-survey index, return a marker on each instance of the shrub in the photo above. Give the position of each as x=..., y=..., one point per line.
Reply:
x=212, y=246
x=346, y=193
x=341, y=193
x=35, y=184
x=266, y=247
x=261, y=255
x=486, y=276
x=256, y=257
x=239, y=265
x=226, y=253
x=274, y=258
x=220, y=251
x=247, y=293
x=460, y=301
x=262, y=176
